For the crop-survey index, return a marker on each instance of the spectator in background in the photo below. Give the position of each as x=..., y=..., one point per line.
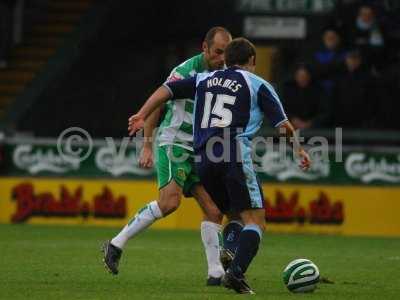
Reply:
x=303, y=99
x=353, y=94
x=329, y=58
x=346, y=10
x=368, y=36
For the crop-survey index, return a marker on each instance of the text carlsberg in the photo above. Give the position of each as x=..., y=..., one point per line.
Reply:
x=39, y=160
x=372, y=169
x=284, y=167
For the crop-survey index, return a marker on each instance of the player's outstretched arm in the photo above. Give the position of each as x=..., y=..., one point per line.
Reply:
x=180, y=89
x=137, y=121
x=305, y=160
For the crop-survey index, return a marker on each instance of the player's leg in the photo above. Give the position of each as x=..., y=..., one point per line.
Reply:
x=170, y=183
x=170, y=193
x=246, y=197
x=249, y=240
x=210, y=230
x=168, y=202
x=213, y=194
x=230, y=238
x=209, y=208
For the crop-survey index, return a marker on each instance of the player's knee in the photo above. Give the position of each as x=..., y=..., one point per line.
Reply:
x=169, y=207
x=262, y=225
x=254, y=216
x=213, y=214
x=209, y=208
x=170, y=198
x=260, y=221
x=169, y=202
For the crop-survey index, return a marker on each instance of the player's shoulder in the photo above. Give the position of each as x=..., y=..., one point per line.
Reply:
x=254, y=80
x=205, y=75
x=258, y=85
x=189, y=67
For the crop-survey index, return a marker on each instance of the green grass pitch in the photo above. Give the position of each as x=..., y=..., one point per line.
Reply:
x=64, y=262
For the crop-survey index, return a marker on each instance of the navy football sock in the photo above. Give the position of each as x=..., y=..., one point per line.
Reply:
x=231, y=235
x=248, y=246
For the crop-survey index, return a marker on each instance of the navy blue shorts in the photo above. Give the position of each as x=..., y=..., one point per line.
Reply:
x=233, y=186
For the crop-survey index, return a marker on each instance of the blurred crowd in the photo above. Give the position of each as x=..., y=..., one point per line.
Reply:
x=353, y=79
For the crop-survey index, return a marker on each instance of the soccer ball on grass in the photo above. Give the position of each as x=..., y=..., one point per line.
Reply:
x=301, y=276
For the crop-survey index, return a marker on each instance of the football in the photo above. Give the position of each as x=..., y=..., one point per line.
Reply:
x=301, y=276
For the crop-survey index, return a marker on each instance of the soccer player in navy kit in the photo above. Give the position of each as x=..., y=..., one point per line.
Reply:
x=229, y=109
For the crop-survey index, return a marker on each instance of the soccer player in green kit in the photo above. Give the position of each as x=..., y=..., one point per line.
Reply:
x=175, y=163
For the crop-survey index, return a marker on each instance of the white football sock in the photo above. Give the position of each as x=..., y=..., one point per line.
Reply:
x=210, y=236
x=143, y=219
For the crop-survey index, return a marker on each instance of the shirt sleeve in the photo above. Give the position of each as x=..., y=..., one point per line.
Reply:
x=174, y=76
x=181, y=89
x=271, y=105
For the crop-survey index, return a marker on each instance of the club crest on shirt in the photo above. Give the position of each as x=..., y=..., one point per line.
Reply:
x=180, y=173
x=175, y=77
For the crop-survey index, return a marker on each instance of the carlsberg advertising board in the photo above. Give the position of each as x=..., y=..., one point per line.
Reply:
x=106, y=160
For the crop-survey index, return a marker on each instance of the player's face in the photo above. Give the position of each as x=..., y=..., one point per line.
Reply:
x=214, y=54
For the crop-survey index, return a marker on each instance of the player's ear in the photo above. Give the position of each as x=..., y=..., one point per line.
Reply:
x=251, y=64
x=252, y=60
x=204, y=47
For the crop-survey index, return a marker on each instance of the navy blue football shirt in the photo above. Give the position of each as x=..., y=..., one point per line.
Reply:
x=231, y=98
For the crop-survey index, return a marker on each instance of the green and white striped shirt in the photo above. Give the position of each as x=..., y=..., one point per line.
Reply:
x=177, y=125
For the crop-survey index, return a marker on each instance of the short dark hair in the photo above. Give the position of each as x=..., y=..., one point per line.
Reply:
x=239, y=51
x=209, y=38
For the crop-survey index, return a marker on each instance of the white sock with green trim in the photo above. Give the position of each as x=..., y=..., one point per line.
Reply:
x=210, y=236
x=143, y=219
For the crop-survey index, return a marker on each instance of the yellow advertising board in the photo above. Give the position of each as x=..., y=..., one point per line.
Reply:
x=348, y=210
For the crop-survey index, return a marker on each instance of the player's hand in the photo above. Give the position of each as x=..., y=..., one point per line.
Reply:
x=135, y=123
x=305, y=161
x=146, y=157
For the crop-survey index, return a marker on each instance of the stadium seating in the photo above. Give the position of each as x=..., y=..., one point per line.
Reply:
x=46, y=25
